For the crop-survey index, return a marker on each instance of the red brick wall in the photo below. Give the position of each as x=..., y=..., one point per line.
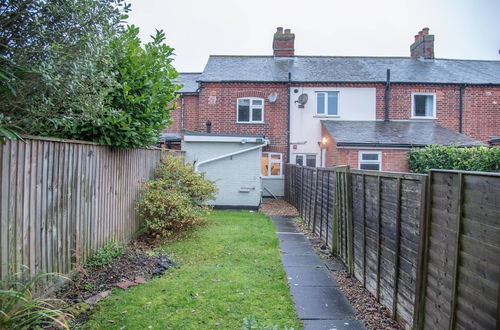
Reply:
x=482, y=112
x=481, y=107
x=217, y=103
x=393, y=160
x=191, y=114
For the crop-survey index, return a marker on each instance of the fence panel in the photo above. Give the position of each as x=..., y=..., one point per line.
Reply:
x=461, y=273
x=61, y=200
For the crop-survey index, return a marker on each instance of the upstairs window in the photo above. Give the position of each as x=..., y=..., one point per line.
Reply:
x=424, y=105
x=327, y=103
x=370, y=160
x=250, y=110
x=305, y=160
x=272, y=164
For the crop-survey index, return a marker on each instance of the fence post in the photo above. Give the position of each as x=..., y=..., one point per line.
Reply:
x=363, y=206
x=379, y=200
x=349, y=229
x=315, y=211
x=456, y=263
x=397, y=249
x=421, y=281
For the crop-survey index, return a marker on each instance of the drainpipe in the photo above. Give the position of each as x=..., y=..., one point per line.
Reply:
x=387, y=95
x=461, y=108
x=182, y=112
x=266, y=142
x=288, y=118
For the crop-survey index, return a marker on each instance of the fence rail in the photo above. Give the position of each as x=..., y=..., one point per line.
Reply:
x=61, y=200
x=397, y=234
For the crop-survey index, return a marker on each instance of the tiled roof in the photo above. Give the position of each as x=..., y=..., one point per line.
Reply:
x=394, y=134
x=349, y=69
x=188, y=79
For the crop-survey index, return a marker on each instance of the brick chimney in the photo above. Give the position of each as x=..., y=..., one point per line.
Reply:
x=423, y=47
x=283, y=43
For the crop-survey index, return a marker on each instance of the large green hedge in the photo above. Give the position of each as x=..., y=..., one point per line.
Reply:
x=421, y=160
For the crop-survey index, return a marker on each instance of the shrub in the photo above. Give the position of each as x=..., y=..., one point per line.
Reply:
x=175, y=200
x=105, y=255
x=20, y=310
x=421, y=160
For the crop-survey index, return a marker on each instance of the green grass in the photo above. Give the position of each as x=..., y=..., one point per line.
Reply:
x=228, y=270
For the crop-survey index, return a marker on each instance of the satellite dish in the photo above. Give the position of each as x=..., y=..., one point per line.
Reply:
x=272, y=97
x=302, y=99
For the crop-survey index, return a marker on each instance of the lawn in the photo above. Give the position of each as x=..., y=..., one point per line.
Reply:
x=227, y=270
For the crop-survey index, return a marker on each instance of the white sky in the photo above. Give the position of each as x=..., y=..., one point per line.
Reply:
x=465, y=29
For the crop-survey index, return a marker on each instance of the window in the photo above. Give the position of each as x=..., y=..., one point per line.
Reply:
x=327, y=103
x=307, y=160
x=271, y=164
x=423, y=105
x=250, y=110
x=370, y=160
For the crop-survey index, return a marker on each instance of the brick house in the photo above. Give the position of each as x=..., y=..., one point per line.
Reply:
x=366, y=112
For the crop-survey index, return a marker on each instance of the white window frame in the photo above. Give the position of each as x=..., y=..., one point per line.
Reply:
x=325, y=114
x=361, y=161
x=434, y=110
x=251, y=111
x=305, y=158
x=273, y=161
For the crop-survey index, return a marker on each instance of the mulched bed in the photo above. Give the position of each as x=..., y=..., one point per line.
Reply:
x=91, y=281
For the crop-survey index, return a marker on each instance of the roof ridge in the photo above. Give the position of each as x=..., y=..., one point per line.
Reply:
x=348, y=56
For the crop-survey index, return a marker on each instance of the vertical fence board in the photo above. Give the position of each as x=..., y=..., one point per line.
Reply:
x=61, y=200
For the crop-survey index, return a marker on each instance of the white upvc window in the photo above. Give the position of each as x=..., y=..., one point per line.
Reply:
x=250, y=110
x=423, y=105
x=305, y=160
x=370, y=160
x=272, y=164
x=327, y=103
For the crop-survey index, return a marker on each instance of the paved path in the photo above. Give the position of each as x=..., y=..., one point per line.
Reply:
x=318, y=299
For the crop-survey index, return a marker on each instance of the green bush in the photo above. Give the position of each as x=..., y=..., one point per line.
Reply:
x=174, y=201
x=421, y=160
x=105, y=255
x=19, y=309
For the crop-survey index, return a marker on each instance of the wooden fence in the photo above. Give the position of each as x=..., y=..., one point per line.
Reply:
x=61, y=200
x=392, y=232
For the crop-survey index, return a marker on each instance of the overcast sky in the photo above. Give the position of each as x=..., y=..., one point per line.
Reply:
x=465, y=29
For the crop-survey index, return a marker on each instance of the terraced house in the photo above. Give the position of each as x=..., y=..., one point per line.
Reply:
x=366, y=112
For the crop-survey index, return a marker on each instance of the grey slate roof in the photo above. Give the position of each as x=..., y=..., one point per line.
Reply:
x=394, y=134
x=349, y=69
x=189, y=80
x=164, y=137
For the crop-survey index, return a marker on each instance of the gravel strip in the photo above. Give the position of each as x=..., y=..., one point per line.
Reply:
x=271, y=206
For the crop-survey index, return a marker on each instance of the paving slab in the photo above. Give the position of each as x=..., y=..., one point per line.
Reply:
x=309, y=276
x=286, y=227
x=296, y=248
x=333, y=325
x=326, y=303
x=292, y=237
x=301, y=260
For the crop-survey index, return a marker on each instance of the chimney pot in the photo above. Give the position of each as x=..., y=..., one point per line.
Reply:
x=425, y=31
x=416, y=37
x=420, y=33
x=283, y=43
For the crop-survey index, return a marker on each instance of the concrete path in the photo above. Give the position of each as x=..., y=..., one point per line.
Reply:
x=318, y=299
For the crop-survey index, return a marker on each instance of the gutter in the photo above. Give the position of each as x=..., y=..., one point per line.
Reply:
x=266, y=142
x=295, y=82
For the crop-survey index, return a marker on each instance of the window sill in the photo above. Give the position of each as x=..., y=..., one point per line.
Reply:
x=326, y=116
x=272, y=177
x=251, y=122
x=425, y=118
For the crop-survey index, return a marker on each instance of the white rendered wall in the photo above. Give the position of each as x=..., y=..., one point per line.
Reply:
x=355, y=104
x=236, y=177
